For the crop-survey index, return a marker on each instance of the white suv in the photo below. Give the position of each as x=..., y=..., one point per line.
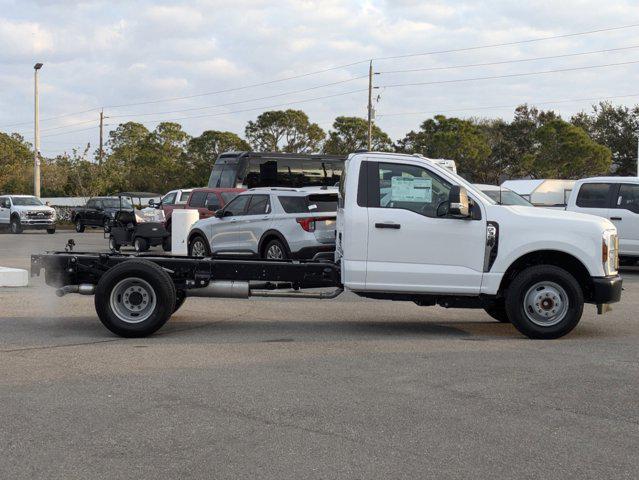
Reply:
x=21, y=212
x=271, y=223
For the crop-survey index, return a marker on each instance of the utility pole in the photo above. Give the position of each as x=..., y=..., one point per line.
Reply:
x=36, y=128
x=101, y=151
x=370, y=106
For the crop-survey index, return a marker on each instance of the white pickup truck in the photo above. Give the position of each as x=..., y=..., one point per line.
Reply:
x=407, y=229
x=20, y=212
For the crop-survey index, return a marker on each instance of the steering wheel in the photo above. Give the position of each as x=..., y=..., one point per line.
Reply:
x=445, y=203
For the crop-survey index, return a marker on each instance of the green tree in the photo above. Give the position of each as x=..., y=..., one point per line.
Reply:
x=351, y=133
x=202, y=151
x=72, y=175
x=455, y=139
x=16, y=164
x=124, y=148
x=563, y=150
x=162, y=162
x=284, y=131
x=615, y=127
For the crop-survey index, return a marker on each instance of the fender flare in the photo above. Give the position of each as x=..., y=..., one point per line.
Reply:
x=273, y=233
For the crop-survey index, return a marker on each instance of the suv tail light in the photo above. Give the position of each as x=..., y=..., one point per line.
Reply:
x=308, y=223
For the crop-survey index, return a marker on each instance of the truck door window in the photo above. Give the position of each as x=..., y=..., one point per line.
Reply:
x=198, y=199
x=628, y=198
x=259, y=205
x=410, y=187
x=237, y=206
x=169, y=199
x=594, y=195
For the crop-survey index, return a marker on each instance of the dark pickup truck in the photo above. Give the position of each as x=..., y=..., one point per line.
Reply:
x=98, y=211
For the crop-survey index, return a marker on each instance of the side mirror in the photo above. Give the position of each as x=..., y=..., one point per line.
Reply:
x=151, y=203
x=458, y=202
x=220, y=214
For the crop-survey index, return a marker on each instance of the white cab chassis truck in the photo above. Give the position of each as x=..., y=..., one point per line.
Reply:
x=407, y=230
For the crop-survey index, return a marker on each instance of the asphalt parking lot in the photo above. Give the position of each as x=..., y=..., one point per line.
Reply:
x=283, y=389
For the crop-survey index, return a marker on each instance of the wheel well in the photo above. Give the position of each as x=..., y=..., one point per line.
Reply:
x=195, y=233
x=15, y=215
x=549, y=257
x=272, y=235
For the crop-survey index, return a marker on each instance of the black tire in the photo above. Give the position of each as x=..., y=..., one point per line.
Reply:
x=498, y=312
x=140, y=244
x=166, y=244
x=79, y=226
x=180, y=298
x=130, y=274
x=16, y=226
x=114, y=246
x=275, y=250
x=519, y=301
x=51, y=231
x=204, y=246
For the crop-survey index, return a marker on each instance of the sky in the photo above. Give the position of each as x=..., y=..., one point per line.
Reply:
x=137, y=60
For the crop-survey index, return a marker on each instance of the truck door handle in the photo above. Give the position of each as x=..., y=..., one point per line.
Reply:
x=616, y=218
x=395, y=226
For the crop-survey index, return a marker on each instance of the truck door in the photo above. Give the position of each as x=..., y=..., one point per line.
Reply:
x=625, y=215
x=594, y=199
x=411, y=248
x=224, y=234
x=254, y=223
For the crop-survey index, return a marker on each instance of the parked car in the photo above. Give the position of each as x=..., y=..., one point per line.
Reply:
x=172, y=200
x=98, y=212
x=271, y=223
x=20, y=212
x=614, y=198
x=208, y=200
x=503, y=195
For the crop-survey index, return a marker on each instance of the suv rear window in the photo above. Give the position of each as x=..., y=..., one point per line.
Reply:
x=594, y=195
x=310, y=203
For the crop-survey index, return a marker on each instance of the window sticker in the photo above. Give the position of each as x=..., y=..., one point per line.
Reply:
x=411, y=189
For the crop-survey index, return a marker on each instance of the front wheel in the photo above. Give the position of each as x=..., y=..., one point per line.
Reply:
x=544, y=302
x=16, y=226
x=51, y=231
x=79, y=226
x=166, y=244
x=198, y=247
x=135, y=298
x=114, y=246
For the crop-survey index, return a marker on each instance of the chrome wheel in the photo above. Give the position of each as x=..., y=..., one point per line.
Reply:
x=198, y=249
x=274, y=252
x=133, y=300
x=546, y=304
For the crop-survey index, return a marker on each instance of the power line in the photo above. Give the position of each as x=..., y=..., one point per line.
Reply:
x=336, y=67
x=291, y=92
x=511, y=75
x=506, y=44
x=428, y=69
x=545, y=102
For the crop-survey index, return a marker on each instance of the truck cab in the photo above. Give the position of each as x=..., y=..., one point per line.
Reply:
x=408, y=229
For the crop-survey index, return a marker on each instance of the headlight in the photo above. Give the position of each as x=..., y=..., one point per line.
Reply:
x=610, y=252
x=22, y=213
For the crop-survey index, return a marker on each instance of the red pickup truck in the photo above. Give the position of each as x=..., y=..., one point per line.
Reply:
x=206, y=201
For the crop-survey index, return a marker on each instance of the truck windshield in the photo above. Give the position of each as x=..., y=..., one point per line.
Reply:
x=223, y=176
x=115, y=203
x=507, y=197
x=26, y=201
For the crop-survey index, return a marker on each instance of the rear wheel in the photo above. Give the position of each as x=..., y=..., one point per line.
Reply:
x=114, y=246
x=275, y=250
x=166, y=244
x=544, y=302
x=140, y=244
x=498, y=312
x=135, y=298
x=198, y=247
x=79, y=226
x=16, y=226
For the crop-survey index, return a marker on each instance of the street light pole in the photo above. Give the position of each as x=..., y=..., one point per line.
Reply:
x=36, y=142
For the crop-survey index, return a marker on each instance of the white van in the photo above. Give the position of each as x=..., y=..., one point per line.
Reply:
x=615, y=198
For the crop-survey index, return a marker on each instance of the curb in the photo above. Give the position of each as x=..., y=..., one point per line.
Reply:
x=13, y=277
